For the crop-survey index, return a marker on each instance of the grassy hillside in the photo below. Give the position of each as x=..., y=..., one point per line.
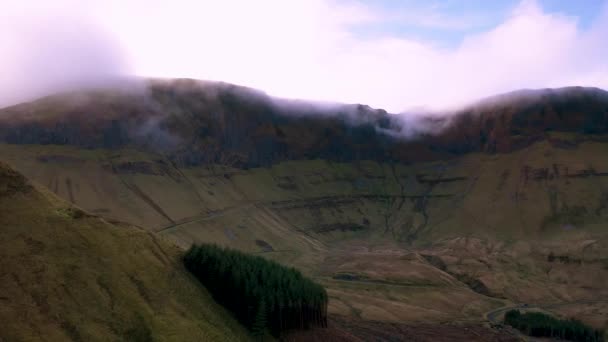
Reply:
x=67, y=275
x=508, y=204
x=429, y=241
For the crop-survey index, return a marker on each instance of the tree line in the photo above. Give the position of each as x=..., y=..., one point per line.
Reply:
x=541, y=325
x=262, y=294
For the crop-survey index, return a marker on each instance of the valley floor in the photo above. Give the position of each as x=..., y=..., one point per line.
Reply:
x=344, y=329
x=398, y=247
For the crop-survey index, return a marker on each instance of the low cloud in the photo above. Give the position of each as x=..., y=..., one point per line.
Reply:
x=308, y=49
x=53, y=49
x=313, y=49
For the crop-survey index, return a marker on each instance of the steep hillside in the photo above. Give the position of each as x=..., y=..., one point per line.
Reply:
x=66, y=275
x=505, y=204
x=516, y=120
x=200, y=123
x=195, y=122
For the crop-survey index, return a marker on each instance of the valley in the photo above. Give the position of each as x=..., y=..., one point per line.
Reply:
x=437, y=239
x=390, y=242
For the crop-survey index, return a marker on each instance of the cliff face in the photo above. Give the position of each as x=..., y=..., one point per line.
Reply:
x=512, y=121
x=196, y=123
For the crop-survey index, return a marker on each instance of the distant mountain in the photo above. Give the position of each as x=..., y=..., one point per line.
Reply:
x=199, y=122
x=514, y=120
x=196, y=122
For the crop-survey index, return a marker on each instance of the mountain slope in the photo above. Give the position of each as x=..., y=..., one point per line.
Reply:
x=67, y=275
x=200, y=123
x=506, y=203
x=513, y=121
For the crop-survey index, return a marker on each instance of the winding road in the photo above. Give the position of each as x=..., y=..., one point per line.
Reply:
x=204, y=217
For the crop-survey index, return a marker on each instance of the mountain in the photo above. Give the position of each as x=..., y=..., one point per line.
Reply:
x=512, y=121
x=198, y=123
x=195, y=122
x=68, y=275
x=411, y=219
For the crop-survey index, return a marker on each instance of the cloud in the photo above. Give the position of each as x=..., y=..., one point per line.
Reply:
x=47, y=49
x=429, y=15
x=313, y=49
x=309, y=49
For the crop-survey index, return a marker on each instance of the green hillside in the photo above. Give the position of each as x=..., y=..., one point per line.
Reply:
x=367, y=227
x=67, y=275
x=507, y=205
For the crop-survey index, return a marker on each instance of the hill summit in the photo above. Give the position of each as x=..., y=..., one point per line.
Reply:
x=197, y=122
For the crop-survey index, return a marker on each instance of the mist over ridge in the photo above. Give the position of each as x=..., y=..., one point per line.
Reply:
x=311, y=50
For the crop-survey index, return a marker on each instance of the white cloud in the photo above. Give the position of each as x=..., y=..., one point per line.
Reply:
x=308, y=49
x=431, y=15
x=46, y=48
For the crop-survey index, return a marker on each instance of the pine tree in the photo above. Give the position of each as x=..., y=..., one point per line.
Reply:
x=262, y=294
x=260, y=322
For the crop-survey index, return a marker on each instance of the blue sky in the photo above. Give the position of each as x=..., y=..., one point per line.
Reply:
x=447, y=22
x=386, y=53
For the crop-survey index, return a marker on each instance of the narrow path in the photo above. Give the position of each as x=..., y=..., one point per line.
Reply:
x=204, y=217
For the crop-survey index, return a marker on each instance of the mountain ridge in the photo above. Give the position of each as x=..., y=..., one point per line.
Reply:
x=195, y=122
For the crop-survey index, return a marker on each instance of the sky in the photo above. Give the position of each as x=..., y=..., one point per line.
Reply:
x=389, y=54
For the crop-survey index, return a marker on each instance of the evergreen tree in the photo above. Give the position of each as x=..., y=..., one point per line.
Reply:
x=541, y=325
x=260, y=322
x=262, y=294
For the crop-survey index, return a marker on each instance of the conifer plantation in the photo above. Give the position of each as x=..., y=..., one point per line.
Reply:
x=541, y=325
x=262, y=294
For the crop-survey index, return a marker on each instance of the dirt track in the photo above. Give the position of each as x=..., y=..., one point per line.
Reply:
x=344, y=329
